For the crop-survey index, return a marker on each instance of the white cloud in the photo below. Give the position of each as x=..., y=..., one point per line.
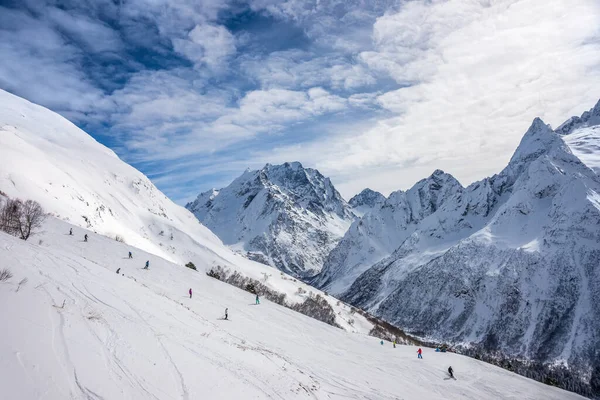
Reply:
x=479, y=73
x=207, y=44
x=301, y=69
x=373, y=93
x=37, y=63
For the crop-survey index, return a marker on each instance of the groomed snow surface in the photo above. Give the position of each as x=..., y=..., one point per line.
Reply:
x=140, y=336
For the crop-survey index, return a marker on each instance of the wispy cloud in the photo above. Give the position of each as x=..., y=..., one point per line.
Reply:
x=372, y=93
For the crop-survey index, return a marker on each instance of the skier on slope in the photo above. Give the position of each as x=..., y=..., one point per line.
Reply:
x=419, y=353
x=451, y=372
x=85, y=237
x=257, y=299
x=190, y=291
x=394, y=344
x=130, y=255
x=118, y=270
x=71, y=231
x=226, y=316
x=147, y=265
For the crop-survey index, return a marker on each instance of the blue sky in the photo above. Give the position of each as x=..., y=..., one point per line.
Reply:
x=374, y=93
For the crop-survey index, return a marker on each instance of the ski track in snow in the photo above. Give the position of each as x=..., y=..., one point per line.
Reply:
x=138, y=336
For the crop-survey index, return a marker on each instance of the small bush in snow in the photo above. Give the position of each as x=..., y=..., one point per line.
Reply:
x=300, y=290
x=119, y=239
x=216, y=272
x=20, y=218
x=318, y=308
x=191, y=265
x=5, y=275
x=351, y=321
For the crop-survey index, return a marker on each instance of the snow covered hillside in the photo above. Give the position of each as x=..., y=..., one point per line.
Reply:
x=74, y=329
x=509, y=266
x=287, y=216
x=46, y=158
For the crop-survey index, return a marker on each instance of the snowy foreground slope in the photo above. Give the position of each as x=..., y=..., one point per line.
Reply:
x=286, y=216
x=77, y=330
x=46, y=158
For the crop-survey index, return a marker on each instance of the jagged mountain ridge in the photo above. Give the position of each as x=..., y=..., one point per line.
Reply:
x=366, y=201
x=382, y=230
x=285, y=215
x=508, y=265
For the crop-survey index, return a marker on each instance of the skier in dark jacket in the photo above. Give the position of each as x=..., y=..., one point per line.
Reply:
x=147, y=265
x=190, y=291
x=71, y=231
x=226, y=316
x=118, y=270
x=451, y=372
x=130, y=255
x=85, y=237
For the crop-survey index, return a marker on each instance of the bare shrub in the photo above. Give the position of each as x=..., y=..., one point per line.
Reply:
x=119, y=239
x=191, y=265
x=20, y=218
x=318, y=308
x=5, y=275
x=32, y=218
x=9, y=216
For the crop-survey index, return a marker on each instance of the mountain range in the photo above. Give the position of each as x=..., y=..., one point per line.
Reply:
x=507, y=267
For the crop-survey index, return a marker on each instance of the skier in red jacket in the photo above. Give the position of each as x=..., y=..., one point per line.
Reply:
x=419, y=355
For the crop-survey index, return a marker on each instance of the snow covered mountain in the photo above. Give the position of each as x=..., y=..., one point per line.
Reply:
x=73, y=329
x=366, y=201
x=285, y=215
x=379, y=232
x=509, y=266
x=46, y=158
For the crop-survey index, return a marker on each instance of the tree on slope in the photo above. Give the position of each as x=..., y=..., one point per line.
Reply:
x=20, y=218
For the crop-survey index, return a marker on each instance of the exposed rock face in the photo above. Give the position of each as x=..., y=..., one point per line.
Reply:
x=285, y=215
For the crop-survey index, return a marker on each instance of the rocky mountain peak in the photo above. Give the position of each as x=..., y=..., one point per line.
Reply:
x=588, y=118
x=286, y=215
x=538, y=140
x=367, y=197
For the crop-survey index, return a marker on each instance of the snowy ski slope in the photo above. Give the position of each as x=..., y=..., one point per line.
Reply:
x=46, y=158
x=140, y=336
